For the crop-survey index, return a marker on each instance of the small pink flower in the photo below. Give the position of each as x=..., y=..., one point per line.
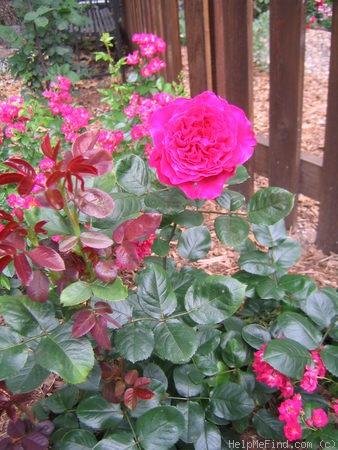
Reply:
x=46, y=163
x=309, y=382
x=133, y=58
x=292, y=431
x=319, y=418
x=290, y=408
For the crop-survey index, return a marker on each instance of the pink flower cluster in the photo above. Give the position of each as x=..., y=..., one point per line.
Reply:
x=291, y=411
x=11, y=115
x=27, y=202
x=142, y=108
x=150, y=47
x=109, y=140
x=273, y=378
x=59, y=99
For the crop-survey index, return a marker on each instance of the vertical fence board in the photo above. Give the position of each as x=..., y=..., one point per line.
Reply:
x=232, y=58
x=327, y=237
x=287, y=46
x=195, y=37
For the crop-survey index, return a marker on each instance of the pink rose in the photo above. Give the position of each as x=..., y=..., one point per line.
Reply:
x=198, y=143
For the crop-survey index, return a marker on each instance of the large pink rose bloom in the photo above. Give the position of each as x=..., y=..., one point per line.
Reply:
x=198, y=143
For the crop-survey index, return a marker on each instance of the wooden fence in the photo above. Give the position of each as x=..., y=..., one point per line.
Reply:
x=219, y=37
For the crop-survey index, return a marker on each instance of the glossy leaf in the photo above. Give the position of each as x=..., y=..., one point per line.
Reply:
x=38, y=289
x=267, y=425
x=84, y=144
x=287, y=356
x=193, y=414
x=210, y=438
x=70, y=358
x=256, y=263
x=95, y=239
x=13, y=353
x=286, y=253
x=106, y=270
x=84, y=321
x=54, y=198
x=188, y=380
x=30, y=377
x=63, y=399
x=160, y=428
x=134, y=342
x=75, y=293
x=119, y=440
x=78, y=440
x=142, y=227
x=270, y=235
x=300, y=329
x=189, y=218
x=320, y=308
x=47, y=257
x=95, y=203
x=170, y=201
x=132, y=174
x=155, y=293
x=97, y=413
x=329, y=355
x=240, y=176
x=269, y=205
x=67, y=243
x=213, y=299
x=23, y=268
x=231, y=200
x=231, y=230
x=194, y=243
x=175, y=341
x=113, y=292
x=231, y=402
x=255, y=335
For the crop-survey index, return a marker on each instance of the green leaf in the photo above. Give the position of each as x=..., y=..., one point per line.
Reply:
x=97, y=413
x=70, y=358
x=193, y=414
x=320, y=308
x=230, y=200
x=132, y=174
x=160, y=428
x=329, y=355
x=212, y=299
x=134, y=341
x=194, y=243
x=175, y=341
x=231, y=402
x=268, y=206
x=257, y=263
x=240, y=176
x=267, y=425
x=30, y=377
x=300, y=329
x=299, y=286
x=13, y=354
x=231, y=230
x=41, y=22
x=126, y=205
x=78, y=440
x=287, y=356
x=267, y=289
x=27, y=317
x=171, y=201
x=160, y=247
x=56, y=223
x=75, y=293
x=235, y=351
x=62, y=400
x=210, y=438
x=189, y=218
x=270, y=235
x=113, y=292
x=188, y=380
x=286, y=254
x=120, y=440
x=155, y=293
x=255, y=335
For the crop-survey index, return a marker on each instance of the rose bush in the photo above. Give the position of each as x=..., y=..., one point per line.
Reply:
x=198, y=143
x=100, y=290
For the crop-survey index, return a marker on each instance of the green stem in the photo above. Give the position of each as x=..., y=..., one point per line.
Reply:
x=126, y=415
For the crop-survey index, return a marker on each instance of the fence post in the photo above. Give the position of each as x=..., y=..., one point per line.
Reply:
x=287, y=47
x=327, y=236
x=232, y=59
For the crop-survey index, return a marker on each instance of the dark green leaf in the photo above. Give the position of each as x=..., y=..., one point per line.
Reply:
x=240, y=176
x=175, y=341
x=188, y=218
x=300, y=329
x=188, y=380
x=160, y=428
x=132, y=174
x=56, y=223
x=193, y=414
x=287, y=356
x=78, y=440
x=13, y=354
x=75, y=293
x=97, y=413
x=270, y=235
x=230, y=200
x=231, y=230
x=286, y=254
x=255, y=335
x=329, y=355
x=267, y=425
x=120, y=440
x=113, y=292
x=155, y=293
x=30, y=377
x=268, y=289
x=213, y=299
x=231, y=402
x=210, y=438
x=134, y=341
x=126, y=205
x=299, y=286
x=235, y=352
x=27, y=317
x=171, y=201
x=70, y=358
x=320, y=308
x=194, y=243
x=269, y=205
x=62, y=400
x=41, y=22
x=257, y=263
x=160, y=247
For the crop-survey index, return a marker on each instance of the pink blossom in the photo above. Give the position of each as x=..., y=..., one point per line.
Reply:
x=149, y=49
x=292, y=431
x=319, y=365
x=289, y=409
x=133, y=58
x=309, y=381
x=46, y=163
x=12, y=128
x=138, y=131
x=110, y=139
x=319, y=418
x=27, y=202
